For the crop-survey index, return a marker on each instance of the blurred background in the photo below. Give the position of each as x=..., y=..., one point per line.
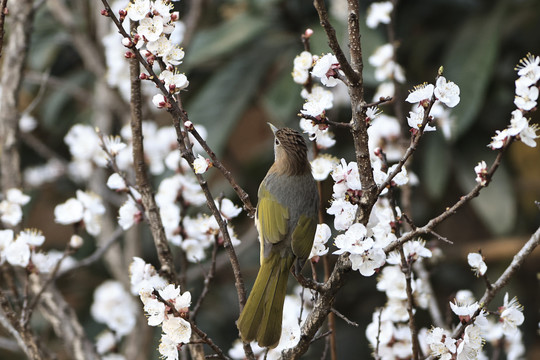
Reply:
x=239, y=62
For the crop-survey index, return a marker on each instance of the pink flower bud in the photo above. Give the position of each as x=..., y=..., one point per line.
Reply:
x=175, y=16
x=129, y=55
x=144, y=76
x=105, y=13
x=308, y=33
x=188, y=125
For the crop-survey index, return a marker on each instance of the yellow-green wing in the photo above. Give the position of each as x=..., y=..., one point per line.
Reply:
x=272, y=217
x=302, y=237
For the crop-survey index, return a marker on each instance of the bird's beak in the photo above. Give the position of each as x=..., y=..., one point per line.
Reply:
x=274, y=129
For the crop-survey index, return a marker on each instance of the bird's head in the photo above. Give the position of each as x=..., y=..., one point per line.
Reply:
x=290, y=152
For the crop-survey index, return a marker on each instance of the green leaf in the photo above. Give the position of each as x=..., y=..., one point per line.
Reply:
x=496, y=204
x=216, y=42
x=470, y=63
x=436, y=165
x=223, y=99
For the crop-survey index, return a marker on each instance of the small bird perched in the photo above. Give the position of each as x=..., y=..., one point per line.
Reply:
x=286, y=220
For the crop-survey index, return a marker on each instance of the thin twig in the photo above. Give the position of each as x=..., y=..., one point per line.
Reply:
x=244, y=197
x=344, y=64
x=207, y=280
x=28, y=311
x=501, y=282
x=343, y=317
x=426, y=229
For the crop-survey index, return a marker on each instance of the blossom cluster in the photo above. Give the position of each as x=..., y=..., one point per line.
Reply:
x=175, y=193
x=164, y=305
x=389, y=328
x=525, y=100
x=22, y=249
x=443, y=92
x=440, y=343
x=11, y=207
x=85, y=209
x=318, y=99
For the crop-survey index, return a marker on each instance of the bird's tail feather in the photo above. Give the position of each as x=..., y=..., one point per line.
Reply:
x=261, y=317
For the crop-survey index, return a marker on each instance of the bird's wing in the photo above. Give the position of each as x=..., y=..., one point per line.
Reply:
x=303, y=235
x=272, y=218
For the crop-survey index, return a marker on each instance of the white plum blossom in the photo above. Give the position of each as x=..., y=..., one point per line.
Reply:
x=464, y=310
x=416, y=118
x=499, y=140
x=200, y=165
x=151, y=28
x=481, y=171
x=441, y=343
x=322, y=234
x=144, y=277
x=159, y=101
x=323, y=137
x=368, y=261
x=385, y=66
x=114, y=306
x=446, y=92
x=227, y=208
x=326, y=68
x=344, y=213
x=511, y=314
x=526, y=99
x=477, y=264
x=138, y=9
x=384, y=90
x=379, y=13
x=70, y=212
x=116, y=182
x=129, y=214
x=420, y=93
x=301, y=65
x=174, y=81
x=322, y=166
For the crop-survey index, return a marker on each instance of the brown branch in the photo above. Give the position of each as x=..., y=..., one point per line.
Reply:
x=14, y=58
x=3, y=11
x=152, y=211
x=352, y=76
x=24, y=336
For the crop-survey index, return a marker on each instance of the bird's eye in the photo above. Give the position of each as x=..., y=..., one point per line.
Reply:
x=277, y=141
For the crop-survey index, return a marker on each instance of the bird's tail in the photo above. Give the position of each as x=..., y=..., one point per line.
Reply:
x=261, y=317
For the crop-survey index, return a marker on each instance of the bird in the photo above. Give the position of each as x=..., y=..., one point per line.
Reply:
x=286, y=220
